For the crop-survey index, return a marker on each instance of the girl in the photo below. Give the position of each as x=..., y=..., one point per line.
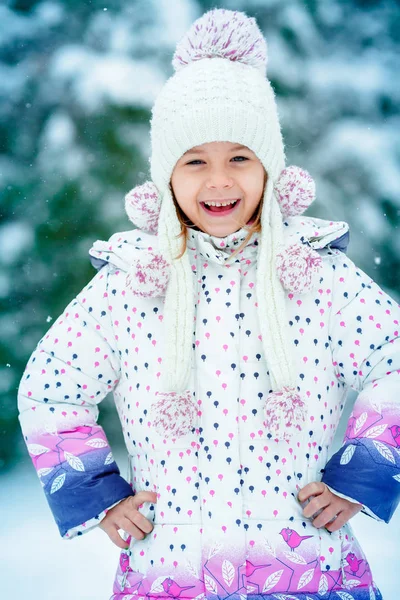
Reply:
x=230, y=329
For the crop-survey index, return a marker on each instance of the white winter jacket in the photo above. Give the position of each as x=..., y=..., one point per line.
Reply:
x=227, y=522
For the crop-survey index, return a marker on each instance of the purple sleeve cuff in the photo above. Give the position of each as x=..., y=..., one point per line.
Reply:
x=369, y=472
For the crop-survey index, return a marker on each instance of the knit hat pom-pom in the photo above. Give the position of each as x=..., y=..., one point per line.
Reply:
x=298, y=268
x=173, y=415
x=285, y=411
x=295, y=191
x=142, y=205
x=224, y=34
x=148, y=277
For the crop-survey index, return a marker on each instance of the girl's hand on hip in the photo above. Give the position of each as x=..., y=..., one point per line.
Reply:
x=125, y=515
x=324, y=508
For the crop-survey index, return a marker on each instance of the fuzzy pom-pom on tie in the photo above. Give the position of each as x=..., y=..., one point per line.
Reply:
x=225, y=34
x=295, y=191
x=285, y=413
x=148, y=276
x=173, y=415
x=142, y=205
x=299, y=268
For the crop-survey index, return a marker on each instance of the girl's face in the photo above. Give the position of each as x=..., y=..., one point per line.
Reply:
x=222, y=173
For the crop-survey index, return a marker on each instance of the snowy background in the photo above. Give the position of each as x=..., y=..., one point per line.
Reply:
x=77, y=82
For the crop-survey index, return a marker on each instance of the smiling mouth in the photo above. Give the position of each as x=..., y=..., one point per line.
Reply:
x=216, y=208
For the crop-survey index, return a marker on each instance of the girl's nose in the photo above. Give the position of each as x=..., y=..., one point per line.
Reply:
x=219, y=179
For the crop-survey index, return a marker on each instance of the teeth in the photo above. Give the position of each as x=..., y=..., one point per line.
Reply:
x=219, y=204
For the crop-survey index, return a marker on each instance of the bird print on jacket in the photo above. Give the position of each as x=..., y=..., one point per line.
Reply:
x=227, y=522
x=292, y=538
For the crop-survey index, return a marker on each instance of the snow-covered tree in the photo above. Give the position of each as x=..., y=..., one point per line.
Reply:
x=77, y=82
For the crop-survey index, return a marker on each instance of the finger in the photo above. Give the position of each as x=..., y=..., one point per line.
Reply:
x=132, y=513
x=325, y=517
x=315, y=488
x=114, y=536
x=337, y=523
x=126, y=524
x=140, y=521
x=316, y=505
x=141, y=497
x=343, y=517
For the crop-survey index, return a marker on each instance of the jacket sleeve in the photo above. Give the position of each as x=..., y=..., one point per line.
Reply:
x=365, y=343
x=73, y=368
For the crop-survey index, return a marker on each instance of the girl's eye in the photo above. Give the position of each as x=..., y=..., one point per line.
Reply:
x=235, y=159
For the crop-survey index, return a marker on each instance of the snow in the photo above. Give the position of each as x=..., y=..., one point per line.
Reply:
x=175, y=19
x=32, y=552
x=354, y=141
x=51, y=13
x=283, y=65
x=15, y=238
x=60, y=130
x=364, y=79
x=100, y=79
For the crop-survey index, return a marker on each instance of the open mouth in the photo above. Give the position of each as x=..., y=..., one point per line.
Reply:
x=222, y=209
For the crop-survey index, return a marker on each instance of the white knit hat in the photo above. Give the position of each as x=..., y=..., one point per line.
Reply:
x=220, y=92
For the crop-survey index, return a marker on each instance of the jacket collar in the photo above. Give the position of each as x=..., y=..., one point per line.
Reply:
x=219, y=250
x=124, y=248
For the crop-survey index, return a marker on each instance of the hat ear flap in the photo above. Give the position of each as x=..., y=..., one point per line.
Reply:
x=142, y=205
x=294, y=191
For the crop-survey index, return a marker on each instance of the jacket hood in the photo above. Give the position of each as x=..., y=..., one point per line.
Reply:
x=123, y=249
x=318, y=233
